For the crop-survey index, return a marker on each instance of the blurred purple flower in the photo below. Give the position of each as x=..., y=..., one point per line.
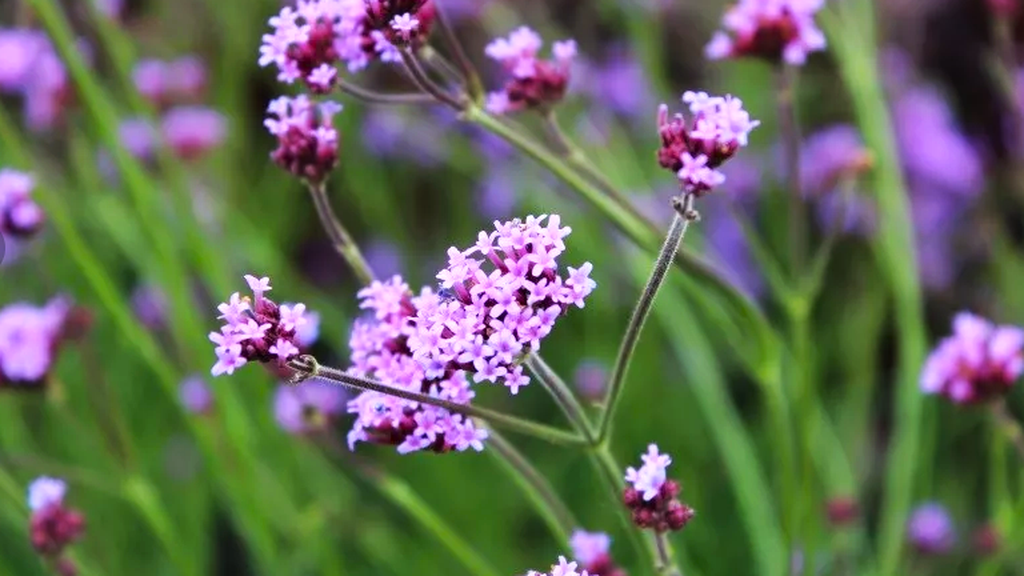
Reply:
x=109, y=8
x=307, y=334
x=192, y=131
x=930, y=529
x=390, y=134
x=30, y=338
x=47, y=91
x=384, y=257
x=139, y=137
x=307, y=407
x=496, y=194
x=979, y=362
x=619, y=83
x=195, y=395
x=460, y=9
x=727, y=243
x=20, y=48
x=149, y=303
x=590, y=379
x=20, y=216
x=163, y=82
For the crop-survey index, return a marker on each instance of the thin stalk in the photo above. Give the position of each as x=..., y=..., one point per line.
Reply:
x=424, y=83
x=685, y=215
x=790, y=135
x=339, y=236
x=307, y=367
x=371, y=97
x=661, y=541
x=473, y=84
x=441, y=65
x=563, y=396
x=1004, y=44
x=1009, y=426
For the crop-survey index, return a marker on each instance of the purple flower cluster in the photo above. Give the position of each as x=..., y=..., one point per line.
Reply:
x=536, y=83
x=53, y=526
x=593, y=552
x=719, y=128
x=30, y=339
x=164, y=82
x=930, y=529
x=776, y=30
x=307, y=142
x=381, y=349
x=20, y=216
x=195, y=395
x=308, y=407
x=652, y=497
x=192, y=131
x=488, y=321
x=980, y=361
x=256, y=329
x=563, y=568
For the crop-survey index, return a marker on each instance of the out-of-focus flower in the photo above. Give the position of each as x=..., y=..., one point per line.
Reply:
x=380, y=349
x=986, y=540
x=652, y=498
x=389, y=133
x=592, y=550
x=496, y=194
x=979, y=362
x=149, y=303
x=30, y=339
x=536, y=83
x=307, y=334
x=1003, y=8
x=775, y=30
x=720, y=127
x=44, y=492
x=256, y=329
x=195, y=395
x=307, y=142
x=842, y=510
x=165, y=82
x=620, y=84
x=109, y=8
x=930, y=529
x=192, y=131
x=308, y=407
x=139, y=137
x=830, y=155
x=486, y=322
x=47, y=89
x=590, y=379
x=20, y=216
x=464, y=9
x=20, y=48
x=563, y=568
x=728, y=243
x=384, y=257
x=53, y=525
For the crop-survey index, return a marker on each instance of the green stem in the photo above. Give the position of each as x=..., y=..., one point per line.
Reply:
x=424, y=83
x=1008, y=426
x=307, y=367
x=340, y=238
x=371, y=97
x=789, y=133
x=563, y=396
x=665, y=556
x=643, y=308
x=473, y=84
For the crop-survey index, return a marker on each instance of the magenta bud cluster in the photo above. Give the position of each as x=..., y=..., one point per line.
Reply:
x=977, y=363
x=652, y=498
x=535, y=83
x=20, y=216
x=307, y=142
x=592, y=550
x=53, y=525
x=774, y=30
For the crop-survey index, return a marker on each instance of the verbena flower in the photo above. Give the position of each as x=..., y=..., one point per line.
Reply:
x=502, y=296
x=535, y=83
x=195, y=395
x=380, y=350
x=30, y=339
x=20, y=216
x=53, y=525
x=978, y=362
x=149, y=303
x=830, y=157
x=775, y=30
x=563, y=568
x=590, y=379
x=192, y=131
x=308, y=407
x=307, y=142
x=20, y=47
x=256, y=329
x=592, y=550
x=652, y=497
x=400, y=22
x=47, y=89
x=719, y=127
x=930, y=529
x=165, y=82
x=139, y=137
x=842, y=510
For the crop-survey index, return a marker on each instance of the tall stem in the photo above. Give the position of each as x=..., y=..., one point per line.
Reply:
x=643, y=308
x=1009, y=426
x=307, y=367
x=423, y=82
x=563, y=396
x=371, y=97
x=790, y=135
x=473, y=84
x=339, y=236
x=665, y=556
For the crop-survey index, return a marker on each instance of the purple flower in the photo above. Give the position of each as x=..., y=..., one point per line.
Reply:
x=384, y=257
x=830, y=155
x=53, y=526
x=980, y=361
x=149, y=304
x=620, y=84
x=20, y=216
x=165, y=82
x=727, y=242
x=776, y=30
x=391, y=134
x=138, y=136
x=651, y=497
x=563, y=568
x=20, y=48
x=535, y=82
x=307, y=143
x=47, y=90
x=590, y=379
x=930, y=529
x=649, y=479
x=588, y=547
x=496, y=195
x=192, y=131
x=44, y=492
x=307, y=407
x=502, y=297
x=195, y=395
x=29, y=340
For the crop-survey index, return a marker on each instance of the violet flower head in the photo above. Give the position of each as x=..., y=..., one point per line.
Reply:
x=44, y=492
x=592, y=550
x=53, y=526
x=930, y=529
x=149, y=303
x=195, y=395
x=620, y=83
x=502, y=296
x=830, y=155
x=30, y=339
x=47, y=90
x=535, y=83
x=256, y=329
x=590, y=379
x=307, y=142
x=563, y=568
x=719, y=127
x=192, y=131
x=311, y=38
x=384, y=257
x=164, y=82
x=20, y=216
x=150, y=79
x=775, y=30
x=307, y=334
x=308, y=407
x=400, y=23
x=652, y=497
x=380, y=349
x=978, y=362
x=138, y=137
x=20, y=48
x=496, y=194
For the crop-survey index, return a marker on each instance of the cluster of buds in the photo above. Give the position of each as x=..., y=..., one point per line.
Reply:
x=30, y=340
x=20, y=216
x=694, y=152
x=536, y=83
x=168, y=82
x=53, y=525
x=979, y=362
x=257, y=330
x=775, y=30
x=307, y=142
x=652, y=498
x=380, y=350
x=592, y=550
x=488, y=321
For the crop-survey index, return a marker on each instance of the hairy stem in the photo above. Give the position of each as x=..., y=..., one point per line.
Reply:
x=789, y=132
x=339, y=236
x=563, y=396
x=423, y=82
x=371, y=97
x=1009, y=426
x=643, y=307
x=473, y=84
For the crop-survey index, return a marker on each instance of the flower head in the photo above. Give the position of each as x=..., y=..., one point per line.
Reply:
x=307, y=142
x=164, y=82
x=138, y=137
x=930, y=529
x=592, y=550
x=776, y=30
x=44, y=492
x=20, y=48
x=400, y=22
x=20, y=216
x=590, y=379
x=652, y=497
x=978, y=362
x=719, y=127
x=500, y=298
x=30, y=338
x=195, y=395
x=535, y=82
x=149, y=303
x=53, y=525
x=563, y=568
x=192, y=131
x=307, y=407
x=47, y=89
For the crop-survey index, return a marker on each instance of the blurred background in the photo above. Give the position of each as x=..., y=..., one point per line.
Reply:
x=152, y=170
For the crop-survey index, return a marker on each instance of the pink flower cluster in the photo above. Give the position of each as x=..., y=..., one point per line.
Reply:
x=535, y=82
x=256, y=329
x=488, y=321
x=307, y=142
x=309, y=40
x=563, y=568
x=20, y=216
x=53, y=525
x=30, y=339
x=380, y=350
x=593, y=551
x=652, y=497
x=719, y=128
x=979, y=362
x=192, y=131
x=776, y=30
x=166, y=82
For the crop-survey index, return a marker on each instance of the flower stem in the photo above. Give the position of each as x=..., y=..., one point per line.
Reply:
x=1009, y=425
x=371, y=97
x=665, y=556
x=307, y=367
x=563, y=396
x=473, y=84
x=789, y=132
x=339, y=236
x=424, y=83
x=680, y=223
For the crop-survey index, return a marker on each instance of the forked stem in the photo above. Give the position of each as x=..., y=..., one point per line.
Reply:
x=423, y=82
x=562, y=395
